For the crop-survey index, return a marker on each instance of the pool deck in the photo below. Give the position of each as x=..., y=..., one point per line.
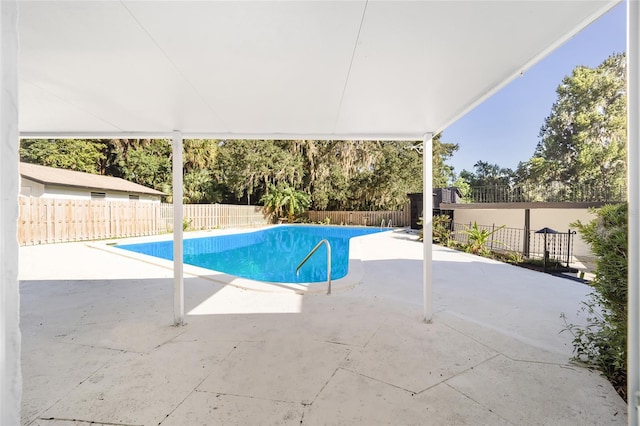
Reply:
x=98, y=346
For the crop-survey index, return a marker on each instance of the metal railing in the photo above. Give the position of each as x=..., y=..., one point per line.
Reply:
x=554, y=192
x=531, y=244
x=311, y=253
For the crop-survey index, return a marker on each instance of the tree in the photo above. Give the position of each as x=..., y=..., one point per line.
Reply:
x=395, y=172
x=487, y=174
x=199, y=188
x=331, y=169
x=199, y=154
x=199, y=159
x=272, y=201
x=247, y=167
x=147, y=162
x=294, y=201
x=73, y=154
x=284, y=198
x=442, y=173
x=583, y=140
x=464, y=188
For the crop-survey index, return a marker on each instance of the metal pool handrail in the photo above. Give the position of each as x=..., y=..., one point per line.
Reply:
x=313, y=250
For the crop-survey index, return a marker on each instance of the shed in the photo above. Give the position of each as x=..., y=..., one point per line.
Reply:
x=448, y=195
x=50, y=182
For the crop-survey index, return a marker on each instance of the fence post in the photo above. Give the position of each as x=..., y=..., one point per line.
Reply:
x=527, y=232
x=493, y=229
x=568, y=246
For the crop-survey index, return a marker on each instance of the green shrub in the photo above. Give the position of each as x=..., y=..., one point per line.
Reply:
x=602, y=343
x=441, y=229
x=515, y=257
x=478, y=239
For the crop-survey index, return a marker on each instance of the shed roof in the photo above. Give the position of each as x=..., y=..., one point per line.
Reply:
x=52, y=176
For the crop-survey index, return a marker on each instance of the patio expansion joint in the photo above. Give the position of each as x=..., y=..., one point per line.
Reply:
x=91, y=374
x=284, y=401
x=459, y=373
x=306, y=403
x=510, y=358
x=379, y=381
x=171, y=339
x=479, y=403
x=91, y=422
x=106, y=348
x=372, y=336
x=195, y=388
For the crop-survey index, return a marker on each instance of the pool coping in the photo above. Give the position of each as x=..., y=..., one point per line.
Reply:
x=354, y=275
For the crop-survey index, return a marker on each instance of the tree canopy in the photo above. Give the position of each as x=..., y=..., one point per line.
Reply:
x=336, y=175
x=581, y=153
x=583, y=140
x=487, y=174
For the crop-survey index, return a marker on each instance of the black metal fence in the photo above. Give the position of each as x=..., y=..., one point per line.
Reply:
x=552, y=247
x=554, y=192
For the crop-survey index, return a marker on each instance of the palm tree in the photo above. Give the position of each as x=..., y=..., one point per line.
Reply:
x=294, y=201
x=285, y=198
x=196, y=184
x=272, y=201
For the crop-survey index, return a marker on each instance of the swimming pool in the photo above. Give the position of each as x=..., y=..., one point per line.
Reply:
x=267, y=255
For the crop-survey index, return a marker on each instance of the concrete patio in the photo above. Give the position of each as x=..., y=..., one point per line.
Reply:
x=98, y=346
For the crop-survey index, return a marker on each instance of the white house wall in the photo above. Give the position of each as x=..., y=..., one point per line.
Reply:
x=557, y=219
x=30, y=188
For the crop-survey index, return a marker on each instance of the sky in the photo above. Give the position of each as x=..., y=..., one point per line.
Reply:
x=504, y=129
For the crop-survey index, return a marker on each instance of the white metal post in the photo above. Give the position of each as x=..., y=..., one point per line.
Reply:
x=633, y=151
x=427, y=213
x=178, y=276
x=9, y=184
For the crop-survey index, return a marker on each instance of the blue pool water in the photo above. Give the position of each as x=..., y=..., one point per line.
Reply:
x=268, y=255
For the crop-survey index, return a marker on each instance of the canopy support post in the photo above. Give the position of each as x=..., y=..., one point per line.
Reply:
x=633, y=152
x=427, y=213
x=178, y=236
x=10, y=374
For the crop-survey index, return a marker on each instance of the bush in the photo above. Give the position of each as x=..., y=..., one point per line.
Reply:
x=602, y=343
x=515, y=257
x=478, y=239
x=441, y=229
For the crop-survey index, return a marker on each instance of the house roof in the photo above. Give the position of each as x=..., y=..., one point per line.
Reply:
x=273, y=69
x=52, y=176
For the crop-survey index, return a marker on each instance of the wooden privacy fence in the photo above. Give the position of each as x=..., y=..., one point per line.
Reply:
x=44, y=221
x=212, y=216
x=366, y=218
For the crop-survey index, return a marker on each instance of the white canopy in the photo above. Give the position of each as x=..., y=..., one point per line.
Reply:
x=306, y=69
